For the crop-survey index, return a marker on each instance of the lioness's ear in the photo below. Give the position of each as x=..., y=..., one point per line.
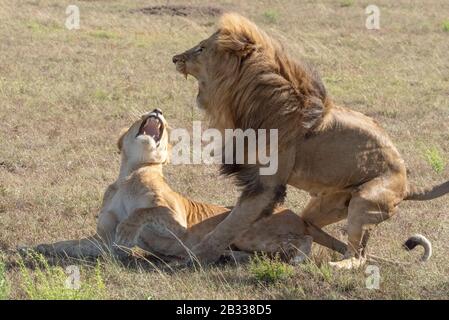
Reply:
x=169, y=148
x=169, y=145
x=120, y=139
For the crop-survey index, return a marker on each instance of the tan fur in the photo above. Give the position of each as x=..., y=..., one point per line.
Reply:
x=141, y=209
x=343, y=158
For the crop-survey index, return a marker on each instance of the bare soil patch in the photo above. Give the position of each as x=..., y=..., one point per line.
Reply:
x=182, y=10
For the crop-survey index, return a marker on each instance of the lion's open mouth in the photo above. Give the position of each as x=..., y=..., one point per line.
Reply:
x=152, y=127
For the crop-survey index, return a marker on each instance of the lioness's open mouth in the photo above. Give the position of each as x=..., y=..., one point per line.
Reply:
x=153, y=127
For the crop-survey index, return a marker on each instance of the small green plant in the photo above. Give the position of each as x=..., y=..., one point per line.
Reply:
x=47, y=282
x=4, y=286
x=389, y=113
x=347, y=3
x=35, y=26
x=102, y=34
x=271, y=16
x=324, y=272
x=101, y=95
x=269, y=270
x=434, y=158
x=446, y=25
x=43, y=27
x=3, y=191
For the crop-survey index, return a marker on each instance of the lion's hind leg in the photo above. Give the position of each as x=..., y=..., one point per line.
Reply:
x=375, y=202
x=327, y=209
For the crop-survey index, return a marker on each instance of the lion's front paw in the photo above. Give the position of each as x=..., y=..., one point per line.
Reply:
x=126, y=235
x=204, y=253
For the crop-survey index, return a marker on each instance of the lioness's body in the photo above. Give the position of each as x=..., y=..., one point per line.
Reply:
x=141, y=209
x=168, y=223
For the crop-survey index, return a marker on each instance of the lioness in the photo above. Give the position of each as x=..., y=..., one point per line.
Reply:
x=141, y=209
x=342, y=158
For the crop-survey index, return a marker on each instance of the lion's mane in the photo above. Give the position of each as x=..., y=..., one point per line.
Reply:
x=258, y=85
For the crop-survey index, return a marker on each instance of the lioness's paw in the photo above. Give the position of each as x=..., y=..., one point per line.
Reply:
x=348, y=264
x=44, y=249
x=126, y=235
x=24, y=250
x=299, y=259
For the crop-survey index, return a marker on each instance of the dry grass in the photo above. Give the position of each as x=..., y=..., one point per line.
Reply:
x=64, y=96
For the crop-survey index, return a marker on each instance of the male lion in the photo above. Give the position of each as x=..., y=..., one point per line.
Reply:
x=141, y=209
x=342, y=158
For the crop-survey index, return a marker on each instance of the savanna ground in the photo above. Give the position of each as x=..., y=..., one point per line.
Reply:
x=64, y=96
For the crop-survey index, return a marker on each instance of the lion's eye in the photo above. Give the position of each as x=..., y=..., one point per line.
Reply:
x=199, y=50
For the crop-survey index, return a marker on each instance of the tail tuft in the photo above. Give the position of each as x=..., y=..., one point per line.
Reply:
x=419, y=240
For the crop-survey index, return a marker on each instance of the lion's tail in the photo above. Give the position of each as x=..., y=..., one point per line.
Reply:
x=419, y=240
x=429, y=193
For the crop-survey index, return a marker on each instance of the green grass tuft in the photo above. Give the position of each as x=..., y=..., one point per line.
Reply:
x=101, y=95
x=47, y=282
x=269, y=270
x=323, y=272
x=446, y=25
x=271, y=16
x=4, y=285
x=347, y=3
x=43, y=27
x=434, y=158
x=102, y=34
x=3, y=191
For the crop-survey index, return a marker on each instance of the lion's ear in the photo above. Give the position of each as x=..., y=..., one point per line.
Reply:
x=237, y=44
x=313, y=112
x=121, y=137
x=238, y=35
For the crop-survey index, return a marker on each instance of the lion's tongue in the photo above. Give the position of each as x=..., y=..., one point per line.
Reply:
x=151, y=128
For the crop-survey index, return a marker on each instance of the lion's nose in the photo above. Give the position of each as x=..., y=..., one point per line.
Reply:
x=177, y=58
x=157, y=111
